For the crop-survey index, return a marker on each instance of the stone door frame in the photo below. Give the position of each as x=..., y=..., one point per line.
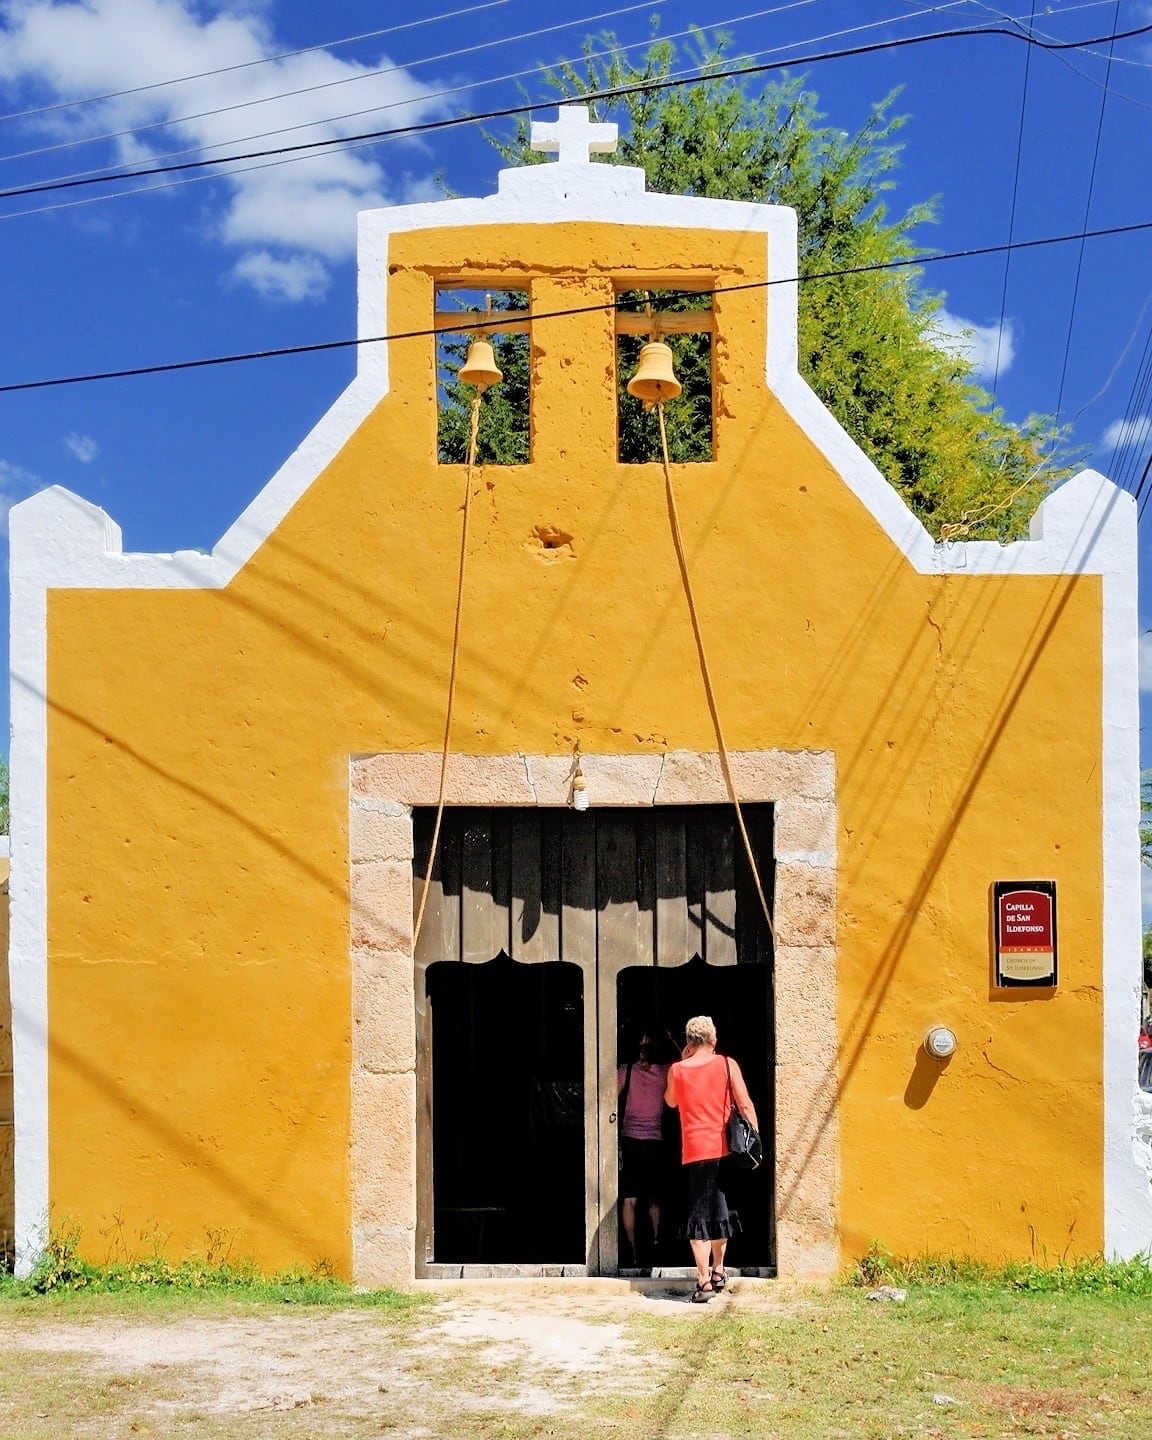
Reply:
x=384, y=789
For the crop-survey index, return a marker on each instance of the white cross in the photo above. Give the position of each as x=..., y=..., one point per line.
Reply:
x=574, y=136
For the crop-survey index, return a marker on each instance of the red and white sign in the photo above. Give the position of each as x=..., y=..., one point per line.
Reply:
x=1026, y=933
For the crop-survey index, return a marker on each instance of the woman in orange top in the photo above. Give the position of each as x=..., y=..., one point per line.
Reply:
x=698, y=1088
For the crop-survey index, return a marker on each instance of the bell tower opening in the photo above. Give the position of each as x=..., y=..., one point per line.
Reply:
x=683, y=320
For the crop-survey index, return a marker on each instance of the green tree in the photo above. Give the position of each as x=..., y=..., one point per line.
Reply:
x=1148, y=957
x=1146, y=817
x=3, y=796
x=866, y=339
x=503, y=437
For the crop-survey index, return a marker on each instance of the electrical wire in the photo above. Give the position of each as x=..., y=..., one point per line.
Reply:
x=687, y=75
x=355, y=342
x=280, y=95
x=1147, y=471
x=249, y=64
x=611, y=93
x=1136, y=426
x=1063, y=59
x=1119, y=361
x=1087, y=217
x=1012, y=208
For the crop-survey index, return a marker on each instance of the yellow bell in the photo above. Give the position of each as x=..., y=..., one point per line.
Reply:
x=654, y=379
x=480, y=368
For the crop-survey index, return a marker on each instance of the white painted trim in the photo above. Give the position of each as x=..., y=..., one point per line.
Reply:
x=1127, y=1188
x=27, y=900
x=1086, y=527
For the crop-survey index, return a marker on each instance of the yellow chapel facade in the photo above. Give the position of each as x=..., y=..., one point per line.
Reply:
x=225, y=770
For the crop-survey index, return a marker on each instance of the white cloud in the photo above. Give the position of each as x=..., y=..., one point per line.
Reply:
x=16, y=483
x=1137, y=431
x=301, y=277
x=990, y=348
x=63, y=51
x=83, y=447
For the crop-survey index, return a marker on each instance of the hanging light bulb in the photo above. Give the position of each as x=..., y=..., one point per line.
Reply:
x=480, y=368
x=579, y=788
x=655, y=380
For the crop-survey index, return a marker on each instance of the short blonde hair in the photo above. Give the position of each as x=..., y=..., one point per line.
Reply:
x=700, y=1030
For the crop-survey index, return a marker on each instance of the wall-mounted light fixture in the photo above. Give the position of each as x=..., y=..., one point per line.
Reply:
x=940, y=1042
x=579, y=788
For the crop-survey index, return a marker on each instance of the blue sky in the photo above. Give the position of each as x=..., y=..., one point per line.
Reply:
x=266, y=258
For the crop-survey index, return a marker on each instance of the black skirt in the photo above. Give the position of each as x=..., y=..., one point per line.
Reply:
x=708, y=1216
x=643, y=1169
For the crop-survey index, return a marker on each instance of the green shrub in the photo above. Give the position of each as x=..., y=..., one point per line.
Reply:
x=62, y=1269
x=1087, y=1275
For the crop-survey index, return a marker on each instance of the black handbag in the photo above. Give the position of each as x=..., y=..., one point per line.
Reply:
x=744, y=1144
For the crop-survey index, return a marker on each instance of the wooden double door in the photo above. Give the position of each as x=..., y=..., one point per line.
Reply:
x=551, y=941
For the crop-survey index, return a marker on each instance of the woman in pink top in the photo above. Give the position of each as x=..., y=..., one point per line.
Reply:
x=698, y=1086
x=642, y=1151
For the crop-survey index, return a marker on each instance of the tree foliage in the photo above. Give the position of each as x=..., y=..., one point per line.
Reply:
x=503, y=438
x=1146, y=817
x=3, y=796
x=867, y=341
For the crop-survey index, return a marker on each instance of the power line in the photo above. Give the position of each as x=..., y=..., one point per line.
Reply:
x=344, y=80
x=425, y=333
x=249, y=64
x=688, y=75
x=1126, y=452
x=1139, y=425
x=1075, y=69
x=1012, y=211
x=1087, y=217
x=1119, y=361
x=612, y=93
x=355, y=142
x=1140, y=485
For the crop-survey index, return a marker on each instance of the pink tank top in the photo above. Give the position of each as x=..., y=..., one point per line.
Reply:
x=645, y=1104
x=702, y=1097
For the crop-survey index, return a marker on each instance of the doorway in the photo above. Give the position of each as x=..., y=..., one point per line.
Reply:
x=508, y=1134
x=658, y=1001
x=547, y=935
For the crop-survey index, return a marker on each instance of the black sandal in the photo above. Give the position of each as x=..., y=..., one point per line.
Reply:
x=719, y=1280
x=703, y=1293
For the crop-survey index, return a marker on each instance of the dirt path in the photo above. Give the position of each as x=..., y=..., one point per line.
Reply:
x=469, y=1363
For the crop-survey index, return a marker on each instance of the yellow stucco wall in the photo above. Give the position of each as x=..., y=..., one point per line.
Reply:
x=199, y=989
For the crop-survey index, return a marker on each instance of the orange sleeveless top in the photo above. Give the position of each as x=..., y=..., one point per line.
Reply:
x=702, y=1099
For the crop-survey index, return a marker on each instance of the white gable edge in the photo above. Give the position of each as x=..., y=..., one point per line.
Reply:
x=58, y=540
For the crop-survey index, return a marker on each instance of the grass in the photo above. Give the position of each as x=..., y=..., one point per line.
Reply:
x=948, y=1364
x=1083, y=1275
x=974, y=1353
x=64, y=1271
